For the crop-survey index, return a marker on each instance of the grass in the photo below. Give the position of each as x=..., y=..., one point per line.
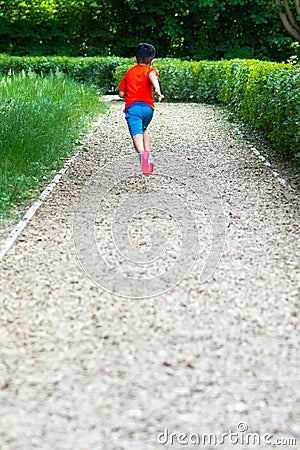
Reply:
x=41, y=118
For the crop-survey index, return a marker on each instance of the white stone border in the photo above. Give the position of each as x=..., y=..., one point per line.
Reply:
x=262, y=158
x=268, y=164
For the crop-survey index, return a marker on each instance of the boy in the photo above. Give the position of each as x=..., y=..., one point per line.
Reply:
x=136, y=88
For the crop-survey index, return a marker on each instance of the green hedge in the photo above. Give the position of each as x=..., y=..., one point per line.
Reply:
x=95, y=70
x=265, y=95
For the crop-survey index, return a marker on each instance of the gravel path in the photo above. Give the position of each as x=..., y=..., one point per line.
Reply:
x=190, y=326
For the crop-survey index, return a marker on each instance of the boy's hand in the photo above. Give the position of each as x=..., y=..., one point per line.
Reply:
x=159, y=95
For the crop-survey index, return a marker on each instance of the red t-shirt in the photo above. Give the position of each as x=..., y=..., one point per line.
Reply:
x=137, y=85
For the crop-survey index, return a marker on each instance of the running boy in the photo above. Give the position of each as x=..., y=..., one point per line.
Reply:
x=136, y=88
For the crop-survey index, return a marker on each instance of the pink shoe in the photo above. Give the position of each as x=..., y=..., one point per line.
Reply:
x=147, y=162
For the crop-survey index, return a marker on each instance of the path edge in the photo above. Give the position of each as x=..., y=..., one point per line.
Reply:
x=21, y=225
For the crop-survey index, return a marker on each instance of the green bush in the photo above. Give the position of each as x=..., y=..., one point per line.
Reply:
x=264, y=95
x=267, y=97
x=94, y=70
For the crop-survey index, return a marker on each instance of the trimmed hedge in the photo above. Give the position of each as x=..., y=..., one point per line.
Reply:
x=95, y=70
x=265, y=95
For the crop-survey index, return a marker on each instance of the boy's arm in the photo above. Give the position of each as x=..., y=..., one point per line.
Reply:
x=154, y=80
x=122, y=88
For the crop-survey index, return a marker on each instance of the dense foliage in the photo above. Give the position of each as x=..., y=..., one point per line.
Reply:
x=196, y=29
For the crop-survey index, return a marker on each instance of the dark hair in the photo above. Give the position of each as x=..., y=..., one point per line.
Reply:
x=144, y=53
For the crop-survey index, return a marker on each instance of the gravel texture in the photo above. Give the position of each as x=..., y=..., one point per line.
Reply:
x=182, y=350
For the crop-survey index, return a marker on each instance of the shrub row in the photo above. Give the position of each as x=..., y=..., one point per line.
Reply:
x=94, y=70
x=265, y=95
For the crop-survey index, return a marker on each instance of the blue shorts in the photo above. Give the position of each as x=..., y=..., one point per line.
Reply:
x=138, y=117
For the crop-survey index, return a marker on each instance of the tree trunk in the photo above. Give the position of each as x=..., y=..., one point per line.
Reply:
x=287, y=17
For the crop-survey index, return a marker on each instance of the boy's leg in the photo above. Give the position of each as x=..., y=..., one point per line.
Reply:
x=147, y=117
x=138, y=142
x=141, y=142
x=146, y=141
